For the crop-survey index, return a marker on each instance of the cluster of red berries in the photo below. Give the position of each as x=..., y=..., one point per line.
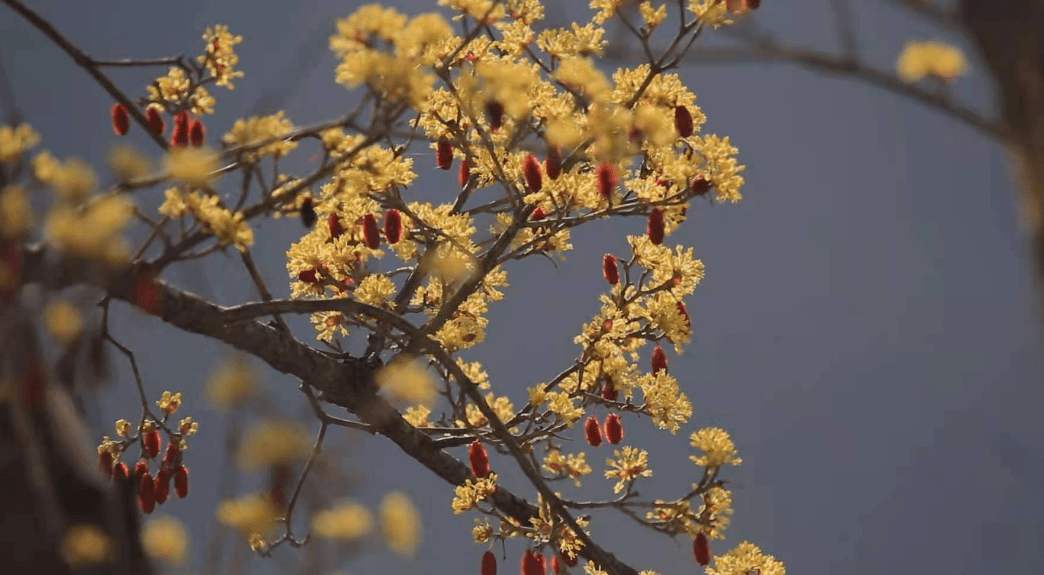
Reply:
x=151, y=490
x=185, y=132
x=532, y=563
x=613, y=430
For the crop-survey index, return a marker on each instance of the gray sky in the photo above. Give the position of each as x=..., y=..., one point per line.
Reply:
x=867, y=330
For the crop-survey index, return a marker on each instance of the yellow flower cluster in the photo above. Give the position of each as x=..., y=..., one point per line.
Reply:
x=256, y=129
x=174, y=89
x=253, y=513
x=15, y=141
x=220, y=57
x=165, y=538
x=473, y=491
x=272, y=443
x=921, y=59
x=573, y=465
x=746, y=558
x=630, y=464
x=717, y=448
x=347, y=520
x=227, y=227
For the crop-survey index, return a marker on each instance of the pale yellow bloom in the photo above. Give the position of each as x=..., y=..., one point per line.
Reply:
x=472, y=492
x=229, y=384
x=400, y=522
x=630, y=464
x=220, y=57
x=74, y=180
x=168, y=402
x=166, y=539
x=406, y=380
x=193, y=166
x=347, y=520
x=84, y=545
x=746, y=558
x=376, y=290
x=920, y=59
x=417, y=416
x=272, y=443
x=63, y=320
x=123, y=427
x=14, y=141
x=256, y=129
x=717, y=448
x=254, y=513
x=16, y=215
x=45, y=167
x=127, y=162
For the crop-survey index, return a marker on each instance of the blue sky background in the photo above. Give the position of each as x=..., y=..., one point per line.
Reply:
x=868, y=329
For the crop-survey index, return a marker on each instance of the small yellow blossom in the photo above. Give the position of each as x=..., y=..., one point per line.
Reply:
x=630, y=464
x=14, y=141
x=406, y=380
x=746, y=558
x=232, y=382
x=347, y=520
x=417, y=416
x=166, y=539
x=474, y=490
x=400, y=522
x=74, y=180
x=194, y=166
x=717, y=447
x=187, y=427
x=45, y=167
x=920, y=59
x=272, y=443
x=257, y=543
x=482, y=531
x=63, y=320
x=253, y=513
x=221, y=58
x=84, y=545
x=376, y=290
x=573, y=466
x=16, y=215
x=256, y=129
x=123, y=427
x=652, y=16
x=127, y=162
x=169, y=403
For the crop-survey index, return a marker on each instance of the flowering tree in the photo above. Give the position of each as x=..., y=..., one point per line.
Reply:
x=543, y=141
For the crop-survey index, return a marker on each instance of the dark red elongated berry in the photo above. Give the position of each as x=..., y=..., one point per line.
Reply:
x=105, y=463
x=683, y=121
x=308, y=215
x=659, y=360
x=336, y=227
x=655, y=229
x=613, y=429
x=120, y=472
x=489, y=564
x=152, y=443
x=537, y=215
x=464, y=174
x=393, y=226
x=479, y=459
x=371, y=233
x=120, y=119
x=700, y=186
x=141, y=468
x=179, y=138
x=533, y=563
x=685, y=314
x=147, y=493
x=155, y=121
x=701, y=549
x=610, y=271
x=308, y=276
x=592, y=432
x=171, y=456
x=162, y=487
x=568, y=561
x=553, y=163
x=444, y=154
x=531, y=172
x=609, y=391
x=197, y=133
x=606, y=180
x=556, y=567
x=495, y=114
x=181, y=476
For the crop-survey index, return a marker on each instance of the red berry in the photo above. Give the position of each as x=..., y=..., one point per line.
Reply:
x=609, y=392
x=120, y=472
x=307, y=211
x=152, y=443
x=609, y=270
x=495, y=114
x=172, y=454
x=489, y=564
x=196, y=133
x=613, y=429
x=179, y=138
x=701, y=549
x=371, y=234
x=553, y=163
x=592, y=433
x=147, y=295
x=155, y=121
x=606, y=180
x=308, y=276
x=393, y=226
x=147, y=493
x=683, y=121
x=336, y=228
x=659, y=360
x=181, y=475
x=531, y=171
x=105, y=463
x=464, y=174
x=533, y=563
x=537, y=215
x=753, y=4
x=556, y=567
x=140, y=469
x=700, y=186
x=444, y=154
x=120, y=119
x=162, y=487
x=685, y=314
x=569, y=561
x=479, y=459
x=655, y=228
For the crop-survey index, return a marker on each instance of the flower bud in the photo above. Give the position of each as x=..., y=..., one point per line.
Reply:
x=683, y=121
x=152, y=443
x=120, y=119
x=613, y=429
x=592, y=433
x=479, y=459
x=606, y=180
x=371, y=234
x=553, y=163
x=393, y=226
x=181, y=475
x=531, y=171
x=444, y=154
x=659, y=360
x=155, y=121
x=655, y=228
x=197, y=133
x=162, y=487
x=464, y=174
x=701, y=549
x=609, y=270
x=335, y=225
x=489, y=564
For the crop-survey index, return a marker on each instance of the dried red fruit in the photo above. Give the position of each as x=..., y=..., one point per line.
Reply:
x=537, y=215
x=531, y=171
x=147, y=493
x=444, y=154
x=464, y=174
x=489, y=564
x=700, y=186
x=613, y=429
x=172, y=454
x=655, y=228
x=479, y=459
x=659, y=360
x=701, y=549
x=570, y=562
x=105, y=463
x=181, y=476
x=609, y=391
x=592, y=433
x=308, y=215
x=162, y=487
x=606, y=180
x=155, y=121
x=683, y=121
x=556, y=567
x=197, y=133
x=336, y=227
x=371, y=233
x=393, y=226
x=308, y=276
x=120, y=472
x=610, y=271
x=152, y=443
x=533, y=563
x=179, y=137
x=553, y=163
x=495, y=114
x=120, y=119
x=140, y=470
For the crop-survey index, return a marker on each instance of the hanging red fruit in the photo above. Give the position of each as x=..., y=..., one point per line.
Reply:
x=531, y=171
x=613, y=429
x=553, y=163
x=464, y=174
x=120, y=472
x=105, y=463
x=683, y=121
x=371, y=234
x=700, y=186
x=196, y=133
x=701, y=549
x=120, y=119
x=152, y=443
x=444, y=154
x=179, y=138
x=479, y=459
x=336, y=228
x=155, y=121
x=606, y=176
x=162, y=487
x=393, y=226
x=592, y=432
x=181, y=477
x=537, y=215
x=308, y=215
x=655, y=229
x=147, y=493
x=659, y=360
x=489, y=564
x=610, y=271
x=495, y=114
x=609, y=391
x=533, y=563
